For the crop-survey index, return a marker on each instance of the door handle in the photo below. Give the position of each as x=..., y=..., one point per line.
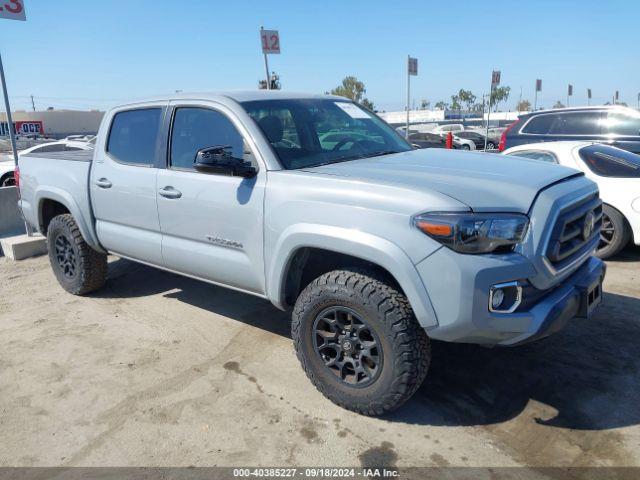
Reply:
x=103, y=183
x=170, y=192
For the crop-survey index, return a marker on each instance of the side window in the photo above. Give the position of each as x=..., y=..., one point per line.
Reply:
x=576, y=123
x=622, y=124
x=539, y=125
x=195, y=128
x=68, y=148
x=536, y=155
x=133, y=135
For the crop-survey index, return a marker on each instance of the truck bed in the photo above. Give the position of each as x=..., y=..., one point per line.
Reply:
x=61, y=177
x=76, y=156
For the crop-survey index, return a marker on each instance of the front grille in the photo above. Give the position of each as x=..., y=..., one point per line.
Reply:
x=567, y=241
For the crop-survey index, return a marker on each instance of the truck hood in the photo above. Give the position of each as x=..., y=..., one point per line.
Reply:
x=483, y=181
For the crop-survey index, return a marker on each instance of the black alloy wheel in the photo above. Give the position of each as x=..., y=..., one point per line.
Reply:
x=349, y=348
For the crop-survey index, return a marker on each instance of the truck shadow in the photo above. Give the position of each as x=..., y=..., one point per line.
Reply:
x=588, y=373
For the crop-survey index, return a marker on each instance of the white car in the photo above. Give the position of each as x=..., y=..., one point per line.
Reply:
x=450, y=127
x=7, y=165
x=617, y=173
x=465, y=143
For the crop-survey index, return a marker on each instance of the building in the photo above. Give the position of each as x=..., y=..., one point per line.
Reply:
x=53, y=123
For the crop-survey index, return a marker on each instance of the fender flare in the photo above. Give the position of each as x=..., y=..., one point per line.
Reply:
x=355, y=243
x=63, y=197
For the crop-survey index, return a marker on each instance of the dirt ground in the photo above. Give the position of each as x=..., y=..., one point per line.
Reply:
x=160, y=370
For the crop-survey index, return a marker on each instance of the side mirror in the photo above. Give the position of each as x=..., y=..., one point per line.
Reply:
x=219, y=160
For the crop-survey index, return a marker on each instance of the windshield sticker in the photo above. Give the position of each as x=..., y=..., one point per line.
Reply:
x=352, y=110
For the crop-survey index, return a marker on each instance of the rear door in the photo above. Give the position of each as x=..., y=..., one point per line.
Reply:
x=623, y=130
x=123, y=183
x=212, y=224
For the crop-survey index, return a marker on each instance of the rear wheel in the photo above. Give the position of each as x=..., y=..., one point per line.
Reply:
x=491, y=146
x=359, y=342
x=614, y=233
x=78, y=267
x=465, y=147
x=8, y=181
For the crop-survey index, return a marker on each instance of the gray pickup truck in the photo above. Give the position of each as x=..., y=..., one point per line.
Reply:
x=317, y=205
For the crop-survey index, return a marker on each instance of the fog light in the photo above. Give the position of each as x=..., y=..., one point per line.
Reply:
x=505, y=297
x=498, y=297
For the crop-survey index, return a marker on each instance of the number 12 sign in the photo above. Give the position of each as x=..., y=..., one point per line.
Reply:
x=270, y=41
x=12, y=10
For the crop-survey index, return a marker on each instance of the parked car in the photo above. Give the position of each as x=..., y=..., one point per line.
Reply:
x=374, y=248
x=463, y=143
x=427, y=140
x=617, y=173
x=8, y=164
x=478, y=139
x=59, y=146
x=615, y=125
x=451, y=127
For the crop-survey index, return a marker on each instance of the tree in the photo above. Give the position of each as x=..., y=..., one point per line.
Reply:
x=441, y=105
x=558, y=104
x=523, y=106
x=499, y=95
x=353, y=89
x=368, y=104
x=455, y=103
x=425, y=104
x=466, y=97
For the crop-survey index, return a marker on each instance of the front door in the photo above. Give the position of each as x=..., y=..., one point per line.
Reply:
x=123, y=185
x=211, y=223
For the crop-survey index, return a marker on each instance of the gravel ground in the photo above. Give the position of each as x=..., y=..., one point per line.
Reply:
x=160, y=370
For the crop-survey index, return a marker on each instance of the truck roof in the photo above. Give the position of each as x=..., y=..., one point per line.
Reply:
x=237, y=95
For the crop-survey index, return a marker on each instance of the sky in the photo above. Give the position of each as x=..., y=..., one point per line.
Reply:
x=92, y=54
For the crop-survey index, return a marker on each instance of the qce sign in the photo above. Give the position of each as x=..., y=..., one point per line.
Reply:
x=12, y=10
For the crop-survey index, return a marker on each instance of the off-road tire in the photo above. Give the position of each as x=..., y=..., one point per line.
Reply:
x=8, y=180
x=91, y=266
x=621, y=233
x=405, y=346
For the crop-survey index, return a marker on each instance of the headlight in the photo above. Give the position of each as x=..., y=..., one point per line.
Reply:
x=474, y=232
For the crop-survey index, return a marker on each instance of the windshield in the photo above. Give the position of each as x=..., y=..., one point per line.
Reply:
x=609, y=161
x=312, y=132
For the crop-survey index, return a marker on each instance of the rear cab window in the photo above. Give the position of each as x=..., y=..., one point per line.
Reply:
x=608, y=161
x=133, y=136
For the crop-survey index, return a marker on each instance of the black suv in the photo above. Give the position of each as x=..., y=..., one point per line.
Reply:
x=615, y=125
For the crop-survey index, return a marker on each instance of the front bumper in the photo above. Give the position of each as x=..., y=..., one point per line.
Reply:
x=459, y=285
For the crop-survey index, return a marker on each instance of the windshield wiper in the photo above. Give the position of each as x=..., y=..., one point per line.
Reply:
x=381, y=152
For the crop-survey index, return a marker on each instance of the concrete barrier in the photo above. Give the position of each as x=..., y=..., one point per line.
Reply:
x=11, y=222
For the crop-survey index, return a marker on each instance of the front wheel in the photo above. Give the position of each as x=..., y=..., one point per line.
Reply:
x=614, y=233
x=359, y=342
x=465, y=147
x=78, y=267
x=491, y=146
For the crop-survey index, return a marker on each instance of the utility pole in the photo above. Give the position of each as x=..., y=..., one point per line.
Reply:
x=412, y=69
x=266, y=62
x=519, y=99
x=33, y=104
x=10, y=127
